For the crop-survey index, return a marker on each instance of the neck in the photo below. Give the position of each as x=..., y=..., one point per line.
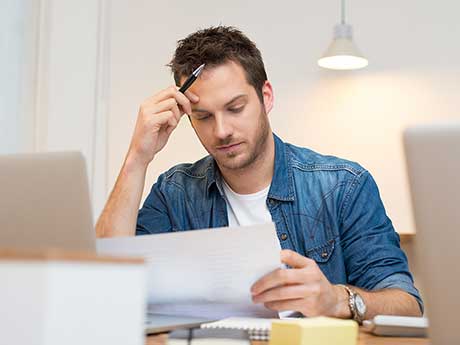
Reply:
x=256, y=176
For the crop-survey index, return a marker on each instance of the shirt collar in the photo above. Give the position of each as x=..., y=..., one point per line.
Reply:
x=214, y=177
x=282, y=187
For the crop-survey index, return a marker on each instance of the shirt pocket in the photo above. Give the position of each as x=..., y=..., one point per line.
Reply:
x=322, y=253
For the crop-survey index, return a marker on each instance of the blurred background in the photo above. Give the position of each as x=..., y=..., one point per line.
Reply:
x=73, y=74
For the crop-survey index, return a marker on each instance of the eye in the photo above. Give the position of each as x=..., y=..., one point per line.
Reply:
x=236, y=110
x=202, y=117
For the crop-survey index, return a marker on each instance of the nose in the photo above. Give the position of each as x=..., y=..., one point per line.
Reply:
x=222, y=127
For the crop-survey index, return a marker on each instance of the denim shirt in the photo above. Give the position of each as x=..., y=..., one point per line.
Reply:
x=325, y=208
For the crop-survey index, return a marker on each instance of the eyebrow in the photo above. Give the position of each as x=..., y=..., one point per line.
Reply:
x=198, y=110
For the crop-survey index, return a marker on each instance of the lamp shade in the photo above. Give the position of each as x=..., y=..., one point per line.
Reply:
x=342, y=53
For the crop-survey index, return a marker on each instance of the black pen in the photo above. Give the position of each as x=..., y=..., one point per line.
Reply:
x=191, y=79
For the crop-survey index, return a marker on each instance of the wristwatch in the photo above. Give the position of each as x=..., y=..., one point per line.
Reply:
x=356, y=303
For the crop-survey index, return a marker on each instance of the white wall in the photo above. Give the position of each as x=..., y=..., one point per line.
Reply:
x=71, y=84
x=17, y=74
x=53, y=83
x=412, y=77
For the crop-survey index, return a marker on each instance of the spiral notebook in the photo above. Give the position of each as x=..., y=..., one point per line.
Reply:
x=257, y=328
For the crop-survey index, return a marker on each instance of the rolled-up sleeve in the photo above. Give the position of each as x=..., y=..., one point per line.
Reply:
x=372, y=253
x=153, y=217
x=402, y=282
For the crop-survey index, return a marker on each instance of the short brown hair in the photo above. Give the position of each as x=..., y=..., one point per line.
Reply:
x=215, y=46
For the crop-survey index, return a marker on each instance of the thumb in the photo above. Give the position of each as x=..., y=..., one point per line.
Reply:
x=293, y=259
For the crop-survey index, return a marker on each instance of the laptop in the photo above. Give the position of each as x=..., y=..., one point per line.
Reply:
x=45, y=204
x=433, y=162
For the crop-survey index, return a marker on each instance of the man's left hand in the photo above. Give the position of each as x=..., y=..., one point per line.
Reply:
x=302, y=288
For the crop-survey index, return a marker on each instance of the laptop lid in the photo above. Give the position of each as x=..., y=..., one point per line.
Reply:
x=44, y=202
x=433, y=161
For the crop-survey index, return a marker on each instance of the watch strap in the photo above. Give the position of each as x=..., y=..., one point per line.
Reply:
x=352, y=303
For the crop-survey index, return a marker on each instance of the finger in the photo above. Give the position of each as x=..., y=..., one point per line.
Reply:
x=291, y=304
x=193, y=97
x=172, y=121
x=278, y=277
x=181, y=99
x=169, y=130
x=167, y=104
x=281, y=293
x=163, y=118
x=163, y=94
x=171, y=125
x=294, y=259
x=177, y=113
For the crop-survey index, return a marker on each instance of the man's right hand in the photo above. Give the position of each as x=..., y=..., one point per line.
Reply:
x=158, y=116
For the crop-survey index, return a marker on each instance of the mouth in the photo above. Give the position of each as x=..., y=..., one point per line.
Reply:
x=228, y=148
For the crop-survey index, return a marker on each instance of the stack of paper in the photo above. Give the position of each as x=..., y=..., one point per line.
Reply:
x=206, y=273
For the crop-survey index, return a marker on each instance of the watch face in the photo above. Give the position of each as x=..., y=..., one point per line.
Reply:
x=360, y=305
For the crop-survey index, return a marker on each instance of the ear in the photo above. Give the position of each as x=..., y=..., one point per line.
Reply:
x=269, y=98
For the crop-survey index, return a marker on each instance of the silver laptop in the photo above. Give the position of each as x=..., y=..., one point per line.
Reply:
x=433, y=161
x=45, y=204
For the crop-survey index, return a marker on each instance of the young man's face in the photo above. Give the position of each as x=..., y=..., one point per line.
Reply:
x=229, y=119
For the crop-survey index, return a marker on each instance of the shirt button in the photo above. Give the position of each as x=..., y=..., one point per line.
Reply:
x=271, y=202
x=283, y=236
x=324, y=254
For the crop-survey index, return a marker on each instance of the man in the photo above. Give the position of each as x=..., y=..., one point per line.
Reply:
x=329, y=217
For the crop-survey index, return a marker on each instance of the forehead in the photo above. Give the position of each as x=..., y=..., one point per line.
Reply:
x=220, y=84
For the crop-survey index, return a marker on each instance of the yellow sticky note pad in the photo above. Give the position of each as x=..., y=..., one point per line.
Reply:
x=314, y=331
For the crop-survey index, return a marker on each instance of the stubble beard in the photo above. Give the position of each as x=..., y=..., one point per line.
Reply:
x=261, y=139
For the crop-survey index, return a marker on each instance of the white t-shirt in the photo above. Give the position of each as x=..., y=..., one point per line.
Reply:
x=247, y=209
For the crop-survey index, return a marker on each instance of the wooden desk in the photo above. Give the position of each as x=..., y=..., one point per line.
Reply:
x=363, y=339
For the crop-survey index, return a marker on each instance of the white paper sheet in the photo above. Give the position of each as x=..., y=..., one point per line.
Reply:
x=206, y=273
